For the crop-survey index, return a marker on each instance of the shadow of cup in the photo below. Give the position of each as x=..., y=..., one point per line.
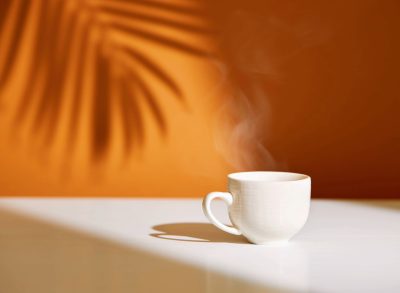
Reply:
x=194, y=232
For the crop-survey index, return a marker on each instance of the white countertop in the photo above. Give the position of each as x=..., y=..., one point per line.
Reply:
x=167, y=245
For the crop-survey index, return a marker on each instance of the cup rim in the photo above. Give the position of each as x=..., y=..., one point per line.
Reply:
x=254, y=176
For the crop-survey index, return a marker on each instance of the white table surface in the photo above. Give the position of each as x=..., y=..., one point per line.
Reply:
x=167, y=245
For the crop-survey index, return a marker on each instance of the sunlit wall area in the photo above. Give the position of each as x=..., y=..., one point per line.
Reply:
x=110, y=98
x=164, y=98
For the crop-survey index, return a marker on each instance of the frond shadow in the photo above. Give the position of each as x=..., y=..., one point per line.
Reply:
x=75, y=61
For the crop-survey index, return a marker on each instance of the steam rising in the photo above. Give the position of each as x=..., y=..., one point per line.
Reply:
x=256, y=47
x=240, y=133
x=244, y=114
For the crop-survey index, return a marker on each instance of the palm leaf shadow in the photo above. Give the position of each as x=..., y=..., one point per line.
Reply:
x=72, y=40
x=17, y=29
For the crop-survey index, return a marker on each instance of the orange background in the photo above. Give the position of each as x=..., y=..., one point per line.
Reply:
x=304, y=86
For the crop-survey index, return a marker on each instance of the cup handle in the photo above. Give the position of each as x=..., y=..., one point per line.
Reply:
x=227, y=198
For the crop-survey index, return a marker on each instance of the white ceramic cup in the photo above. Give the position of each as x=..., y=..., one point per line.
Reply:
x=266, y=207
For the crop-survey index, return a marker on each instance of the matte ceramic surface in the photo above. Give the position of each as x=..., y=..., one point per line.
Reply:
x=266, y=207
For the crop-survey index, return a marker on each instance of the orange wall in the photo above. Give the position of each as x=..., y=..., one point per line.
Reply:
x=145, y=98
x=119, y=147
x=329, y=71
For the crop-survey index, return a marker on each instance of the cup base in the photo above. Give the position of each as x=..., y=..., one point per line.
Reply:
x=272, y=243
